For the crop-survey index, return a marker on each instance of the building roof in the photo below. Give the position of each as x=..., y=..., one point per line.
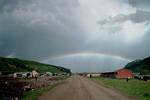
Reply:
x=123, y=69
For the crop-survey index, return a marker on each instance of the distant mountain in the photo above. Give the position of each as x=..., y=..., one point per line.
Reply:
x=140, y=66
x=18, y=65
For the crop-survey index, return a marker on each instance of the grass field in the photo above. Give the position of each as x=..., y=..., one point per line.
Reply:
x=137, y=88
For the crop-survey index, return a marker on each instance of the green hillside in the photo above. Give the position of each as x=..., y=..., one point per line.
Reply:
x=140, y=66
x=17, y=65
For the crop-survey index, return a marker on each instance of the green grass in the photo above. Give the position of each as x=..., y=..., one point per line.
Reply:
x=33, y=95
x=137, y=88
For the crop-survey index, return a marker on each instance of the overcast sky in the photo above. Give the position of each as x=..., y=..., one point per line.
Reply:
x=83, y=35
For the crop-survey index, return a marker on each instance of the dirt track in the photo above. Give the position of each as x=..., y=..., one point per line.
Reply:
x=79, y=88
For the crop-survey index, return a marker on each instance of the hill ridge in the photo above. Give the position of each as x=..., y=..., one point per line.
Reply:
x=141, y=66
x=19, y=65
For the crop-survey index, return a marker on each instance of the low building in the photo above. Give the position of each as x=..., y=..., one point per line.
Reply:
x=121, y=73
x=18, y=75
x=22, y=75
x=93, y=74
x=109, y=74
x=124, y=73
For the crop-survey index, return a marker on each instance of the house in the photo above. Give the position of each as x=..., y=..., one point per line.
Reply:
x=121, y=73
x=124, y=73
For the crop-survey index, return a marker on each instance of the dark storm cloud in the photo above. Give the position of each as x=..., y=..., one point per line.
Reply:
x=11, y=5
x=38, y=29
x=42, y=29
x=141, y=50
x=139, y=3
x=138, y=17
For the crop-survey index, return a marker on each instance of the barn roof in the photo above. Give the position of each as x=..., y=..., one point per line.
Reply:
x=123, y=69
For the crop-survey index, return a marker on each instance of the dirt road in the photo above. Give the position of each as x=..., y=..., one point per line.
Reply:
x=80, y=88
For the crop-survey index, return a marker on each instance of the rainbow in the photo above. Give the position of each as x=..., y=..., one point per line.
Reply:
x=88, y=54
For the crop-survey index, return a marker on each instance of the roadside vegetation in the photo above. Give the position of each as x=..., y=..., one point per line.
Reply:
x=18, y=76
x=33, y=95
x=136, y=88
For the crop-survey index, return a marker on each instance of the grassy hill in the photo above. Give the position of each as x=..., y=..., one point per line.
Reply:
x=140, y=66
x=17, y=65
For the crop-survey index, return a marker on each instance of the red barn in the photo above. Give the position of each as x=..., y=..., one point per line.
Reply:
x=124, y=73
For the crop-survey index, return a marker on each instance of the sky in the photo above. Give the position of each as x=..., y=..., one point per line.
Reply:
x=83, y=35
